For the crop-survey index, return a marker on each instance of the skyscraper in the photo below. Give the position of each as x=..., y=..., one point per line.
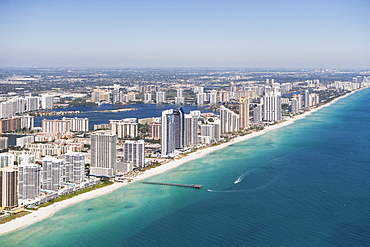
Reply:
x=52, y=173
x=103, y=154
x=47, y=101
x=167, y=133
x=29, y=181
x=272, y=107
x=229, y=120
x=134, y=152
x=191, y=128
x=178, y=117
x=244, y=112
x=74, y=164
x=8, y=188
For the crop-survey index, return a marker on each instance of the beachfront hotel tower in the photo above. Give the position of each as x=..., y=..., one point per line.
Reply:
x=167, y=133
x=272, y=107
x=29, y=181
x=134, y=153
x=244, y=112
x=103, y=154
x=74, y=167
x=229, y=120
x=8, y=188
x=179, y=118
x=51, y=173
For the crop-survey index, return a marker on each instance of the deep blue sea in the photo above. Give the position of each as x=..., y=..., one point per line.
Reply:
x=97, y=117
x=307, y=184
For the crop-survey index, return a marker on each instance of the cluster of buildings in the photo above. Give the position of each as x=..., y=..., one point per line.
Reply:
x=52, y=163
x=26, y=181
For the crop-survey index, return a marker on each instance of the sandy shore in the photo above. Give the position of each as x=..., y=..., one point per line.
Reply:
x=47, y=212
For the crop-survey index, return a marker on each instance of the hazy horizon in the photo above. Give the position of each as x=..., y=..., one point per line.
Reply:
x=185, y=34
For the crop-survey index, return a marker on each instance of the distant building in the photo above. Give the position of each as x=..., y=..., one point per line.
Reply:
x=78, y=124
x=191, y=129
x=125, y=128
x=155, y=131
x=103, y=154
x=32, y=103
x=3, y=143
x=55, y=126
x=6, y=160
x=160, y=97
x=47, y=101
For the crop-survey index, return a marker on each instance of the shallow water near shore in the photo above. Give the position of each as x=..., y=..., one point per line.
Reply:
x=306, y=184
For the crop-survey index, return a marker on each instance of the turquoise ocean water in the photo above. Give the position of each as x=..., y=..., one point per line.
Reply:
x=307, y=184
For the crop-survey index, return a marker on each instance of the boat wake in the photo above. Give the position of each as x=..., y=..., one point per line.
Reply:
x=240, y=178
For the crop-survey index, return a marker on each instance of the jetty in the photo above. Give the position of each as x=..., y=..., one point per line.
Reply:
x=194, y=186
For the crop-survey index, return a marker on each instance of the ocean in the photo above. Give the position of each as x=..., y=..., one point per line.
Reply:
x=306, y=184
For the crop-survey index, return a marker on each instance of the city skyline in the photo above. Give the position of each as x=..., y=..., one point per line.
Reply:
x=332, y=34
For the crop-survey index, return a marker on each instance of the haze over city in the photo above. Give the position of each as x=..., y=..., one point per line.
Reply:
x=330, y=34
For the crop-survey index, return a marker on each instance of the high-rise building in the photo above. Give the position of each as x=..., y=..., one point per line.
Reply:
x=191, y=129
x=293, y=107
x=272, y=107
x=306, y=98
x=3, y=143
x=74, y=164
x=103, y=153
x=47, y=101
x=78, y=124
x=52, y=173
x=257, y=113
x=160, y=97
x=29, y=181
x=167, y=133
x=178, y=116
x=229, y=120
x=55, y=126
x=134, y=153
x=8, y=188
x=244, y=112
x=155, y=131
x=213, y=97
x=125, y=128
x=6, y=160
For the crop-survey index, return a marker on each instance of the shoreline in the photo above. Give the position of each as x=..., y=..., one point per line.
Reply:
x=46, y=212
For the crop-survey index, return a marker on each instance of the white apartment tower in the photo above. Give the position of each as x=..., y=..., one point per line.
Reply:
x=272, y=107
x=52, y=173
x=229, y=120
x=74, y=164
x=167, y=135
x=47, y=101
x=29, y=182
x=78, y=124
x=103, y=154
x=134, y=152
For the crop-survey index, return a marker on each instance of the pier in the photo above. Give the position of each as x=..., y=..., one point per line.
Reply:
x=194, y=186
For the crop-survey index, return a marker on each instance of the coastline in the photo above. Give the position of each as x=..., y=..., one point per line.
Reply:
x=46, y=212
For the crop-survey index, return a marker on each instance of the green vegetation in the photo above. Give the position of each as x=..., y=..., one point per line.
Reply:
x=105, y=182
x=152, y=141
x=13, y=216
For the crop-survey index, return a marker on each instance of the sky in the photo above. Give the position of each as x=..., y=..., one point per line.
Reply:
x=185, y=33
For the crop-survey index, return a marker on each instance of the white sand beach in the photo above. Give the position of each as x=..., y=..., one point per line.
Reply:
x=47, y=212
